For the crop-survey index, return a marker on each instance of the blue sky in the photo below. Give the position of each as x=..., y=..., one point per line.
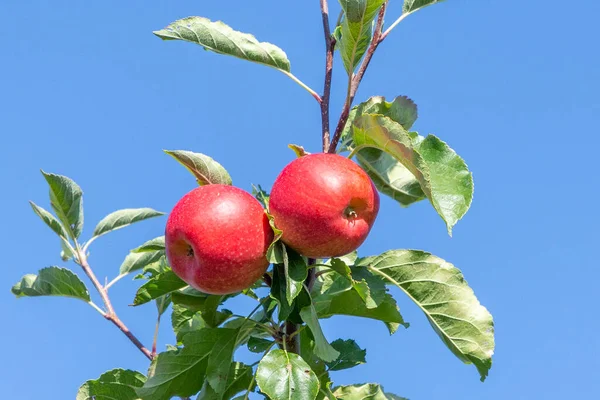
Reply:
x=89, y=92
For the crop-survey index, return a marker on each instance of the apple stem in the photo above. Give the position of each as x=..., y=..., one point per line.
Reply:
x=355, y=80
x=110, y=314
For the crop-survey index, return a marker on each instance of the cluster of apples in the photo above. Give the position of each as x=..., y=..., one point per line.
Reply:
x=217, y=236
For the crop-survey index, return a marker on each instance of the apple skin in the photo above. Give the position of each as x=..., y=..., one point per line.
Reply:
x=325, y=204
x=217, y=238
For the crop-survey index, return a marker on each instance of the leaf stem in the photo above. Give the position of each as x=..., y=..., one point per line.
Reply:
x=329, y=49
x=357, y=78
x=303, y=85
x=110, y=312
x=392, y=26
x=118, y=278
x=91, y=303
x=155, y=340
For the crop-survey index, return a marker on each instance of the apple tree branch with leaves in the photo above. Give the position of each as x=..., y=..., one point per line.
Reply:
x=291, y=251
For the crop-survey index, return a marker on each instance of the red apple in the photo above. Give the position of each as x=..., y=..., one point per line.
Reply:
x=217, y=238
x=325, y=204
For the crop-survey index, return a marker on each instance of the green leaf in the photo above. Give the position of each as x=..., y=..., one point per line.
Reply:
x=211, y=316
x=350, y=355
x=220, y=359
x=67, y=250
x=401, y=110
x=296, y=272
x=136, y=261
x=116, y=384
x=414, y=5
x=122, y=218
x=259, y=345
x=274, y=252
x=278, y=292
x=190, y=298
x=238, y=379
x=156, y=244
x=443, y=176
x=158, y=286
x=307, y=347
x=162, y=304
x=286, y=376
x=181, y=373
x=52, y=281
x=367, y=391
x=67, y=202
x=333, y=295
x=154, y=268
x=370, y=288
x=49, y=219
x=322, y=349
x=220, y=38
x=356, y=30
x=442, y=293
x=262, y=196
x=389, y=176
x=184, y=320
x=206, y=170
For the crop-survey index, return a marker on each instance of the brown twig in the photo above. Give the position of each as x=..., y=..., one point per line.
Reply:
x=267, y=279
x=357, y=78
x=329, y=49
x=110, y=312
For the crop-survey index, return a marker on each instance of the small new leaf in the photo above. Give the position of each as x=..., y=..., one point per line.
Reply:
x=442, y=293
x=356, y=30
x=66, y=199
x=206, y=170
x=49, y=219
x=122, y=218
x=411, y=6
x=114, y=384
x=286, y=376
x=52, y=281
x=222, y=39
x=350, y=355
x=158, y=286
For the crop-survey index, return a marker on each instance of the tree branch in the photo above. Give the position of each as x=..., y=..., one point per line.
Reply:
x=357, y=78
x=329, y=49
x=110, y=312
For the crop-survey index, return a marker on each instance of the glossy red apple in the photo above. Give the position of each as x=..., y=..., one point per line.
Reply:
x=216, y=239
x=325, y=204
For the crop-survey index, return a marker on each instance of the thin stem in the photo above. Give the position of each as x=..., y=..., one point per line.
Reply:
x=357, y=78
x=110, y=312
x=303, y=85
x=155, y=340
x=109, y=284
x=91, y=303
x=392, y=26
x=329, y=49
